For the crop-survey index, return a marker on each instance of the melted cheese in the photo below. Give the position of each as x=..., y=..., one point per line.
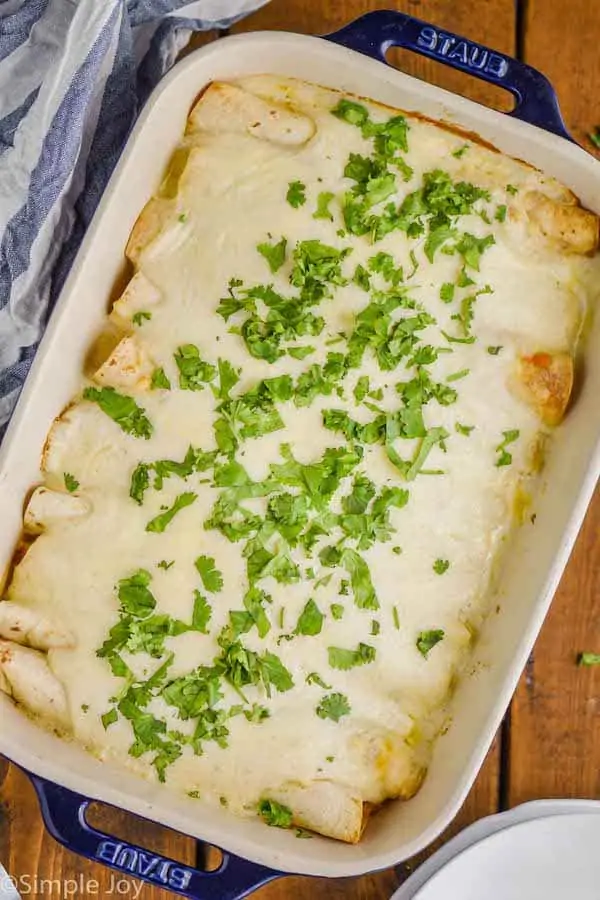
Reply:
x=231, y=196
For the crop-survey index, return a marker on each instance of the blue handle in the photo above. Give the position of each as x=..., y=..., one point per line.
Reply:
x=374, y=33
x=64, y=812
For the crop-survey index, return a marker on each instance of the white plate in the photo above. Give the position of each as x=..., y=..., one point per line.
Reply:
x=542, y=859
x=537, y=809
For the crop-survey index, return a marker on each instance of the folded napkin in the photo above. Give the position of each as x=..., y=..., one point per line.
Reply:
x=73, y=77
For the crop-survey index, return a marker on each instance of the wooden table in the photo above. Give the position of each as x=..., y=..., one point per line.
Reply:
x=549, y=744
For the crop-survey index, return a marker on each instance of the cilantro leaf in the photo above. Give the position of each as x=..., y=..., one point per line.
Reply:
x=463, y=429
x=273, y=253
x=362, y=277
x=138, y=317
x=427, y=640
x=296, y=194
x=310, y=621
x=228, y=378
x=504, y=457
x=447, y=292
x=333, y=706
x=323, y=201
x=315, y=678
x=71, y=482
x=471, y=248
x=194, y=372
x=360, y=580
x=494, y=351
x=588, y=659
x=275, y=814
x=158, y=524
x=122, y=409
x=341, y=658
x=140, y=481
x=159, y=380
x=351, y=112
x=440, y=566
x=500, y=215
x=201, y=614
x=337, y=611
x=212, y=579
x=134, y=596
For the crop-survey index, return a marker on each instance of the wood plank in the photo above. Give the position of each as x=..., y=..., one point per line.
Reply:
x=27, y=851
x=562, y=41
x=492, y=23
x=555, y=722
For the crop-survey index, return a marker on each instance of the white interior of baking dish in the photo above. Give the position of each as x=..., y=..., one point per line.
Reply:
x=535, y=562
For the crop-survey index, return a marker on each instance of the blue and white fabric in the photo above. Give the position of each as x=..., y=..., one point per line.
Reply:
x=73, y=77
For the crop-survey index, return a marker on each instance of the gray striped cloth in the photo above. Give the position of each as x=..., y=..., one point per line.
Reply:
x=73, y=77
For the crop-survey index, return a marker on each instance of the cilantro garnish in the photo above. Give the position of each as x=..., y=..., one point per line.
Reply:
x=360, y=580
x=337, y=610
x=296, y=194
x=323, y=201
x=315, y=678
x=311, y=619
x=160, y=522
x=511, y=189
x=122, y=409
x=341, y=658
x=427, y=640
x=396, y=618
x=494, y=351
x=194, y=372
x=440, y=566
x=463, y=429
x=333, y=706
x=460, y=151
x=275, y=814
x=500, y=215
x=588, y=659
x=71, y=482
x=504, y=457
x=163, y=564
x=212, y=579
x=159, y=380
x=273, y=253
x=141, y=316
x=447, y=292
x=456, y=376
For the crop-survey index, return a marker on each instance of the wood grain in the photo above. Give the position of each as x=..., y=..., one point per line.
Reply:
x=555, y=720
x=492, y=23
x=561, y=39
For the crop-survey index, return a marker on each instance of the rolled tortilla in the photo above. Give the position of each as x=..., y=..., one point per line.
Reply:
x=47, y=507
x=574, y=229
x=129, y=366
x=228, y=108
x=326, y=807
x=33, y=684
x=26, y=626
x=544, y=381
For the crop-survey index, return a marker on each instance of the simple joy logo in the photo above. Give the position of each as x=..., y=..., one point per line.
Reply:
x=474, y=57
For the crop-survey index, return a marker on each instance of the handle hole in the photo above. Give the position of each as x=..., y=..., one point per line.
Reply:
x=451, y=79
x=142, y=832
x=209, y=858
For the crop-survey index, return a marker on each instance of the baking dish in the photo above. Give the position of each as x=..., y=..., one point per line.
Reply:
x=65, y=777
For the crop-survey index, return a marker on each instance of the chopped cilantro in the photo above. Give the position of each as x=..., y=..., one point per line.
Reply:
x=296, y=194
x=456, y=376
x=275, y=814
x=341, y=658
x=201, y=614
x=273, y=253
x=323, y=201
x=337, y=610
x=397, y=550
x=511, y=189
x=362, y=277
x=460, y=151
x=494, y=351
x=351, y=112
x=159, y=380
x=384, y=265
x=396, y=618
x=504, y=457
x=427, y=640
x=463, y=429
x=588, y=659
x=440, y=566
x=195, y=795
x=163, y=564
x=333, y=706
x=375, y=627
x=500, y=215
x=471, y=248
x=71, y=482
x=362, y=388
x=109, y=718
x=447, y=292
x=315, y=678
x=311, y=619
x=360, y=580
x=160, y=522
x=122, y=409
x=212, y=579
x=141, y=316
x=194, y=372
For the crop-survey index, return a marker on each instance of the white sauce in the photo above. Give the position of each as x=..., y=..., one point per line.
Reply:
x=235, y=199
